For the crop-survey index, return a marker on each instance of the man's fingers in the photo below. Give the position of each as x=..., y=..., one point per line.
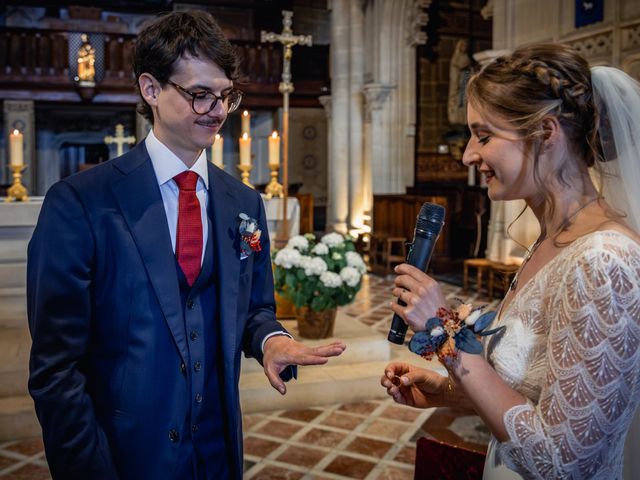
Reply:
x=331, y=350
x=275, y=380
x=310, y=359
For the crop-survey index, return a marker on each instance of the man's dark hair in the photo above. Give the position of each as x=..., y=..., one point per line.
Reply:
x=166, y=39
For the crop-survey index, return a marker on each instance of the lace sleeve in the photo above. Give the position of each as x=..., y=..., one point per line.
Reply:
x=592, y=386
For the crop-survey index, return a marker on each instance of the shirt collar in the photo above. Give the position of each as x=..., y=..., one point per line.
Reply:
x=167, y=165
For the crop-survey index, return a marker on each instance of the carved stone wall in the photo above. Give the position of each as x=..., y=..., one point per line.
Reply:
x=615, y=41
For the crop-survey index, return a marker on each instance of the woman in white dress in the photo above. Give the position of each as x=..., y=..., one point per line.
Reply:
x=559, y=385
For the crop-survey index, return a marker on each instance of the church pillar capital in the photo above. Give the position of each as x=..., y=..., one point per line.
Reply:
x=487, y=56
x=417, y=18
x=325, y=101
x=375, y=94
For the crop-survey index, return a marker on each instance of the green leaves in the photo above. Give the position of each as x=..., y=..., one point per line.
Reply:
x=307, y=289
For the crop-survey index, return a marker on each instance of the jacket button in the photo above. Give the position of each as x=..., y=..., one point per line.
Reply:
x=193, y=335
x=197, y=366
x=183, y=368
x=191, y=304
x=194, y=428
x=174, y=436
x=198, y=398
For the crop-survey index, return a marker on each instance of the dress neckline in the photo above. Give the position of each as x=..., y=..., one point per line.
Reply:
x=578, y=241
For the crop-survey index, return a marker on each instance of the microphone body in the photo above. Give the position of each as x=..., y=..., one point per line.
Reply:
x=428, y=227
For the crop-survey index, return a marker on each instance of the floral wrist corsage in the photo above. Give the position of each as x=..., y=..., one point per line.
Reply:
x=462, y=324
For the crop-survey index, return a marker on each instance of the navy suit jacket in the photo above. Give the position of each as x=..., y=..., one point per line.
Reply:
x=107, y=322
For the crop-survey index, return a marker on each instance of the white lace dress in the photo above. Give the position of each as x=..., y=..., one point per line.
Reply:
x=572, y=347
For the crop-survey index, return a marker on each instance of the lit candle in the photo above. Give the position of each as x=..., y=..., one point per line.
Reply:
x=274, y=149
x=245, y=149
x=246, y=123
x=471, y=176
x=216, y=151
x=15, y=150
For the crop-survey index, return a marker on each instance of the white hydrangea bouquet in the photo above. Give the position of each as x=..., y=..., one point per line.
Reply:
x=319, y=275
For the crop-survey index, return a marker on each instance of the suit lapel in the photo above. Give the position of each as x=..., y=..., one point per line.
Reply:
x=225, y=226
x=138, y=196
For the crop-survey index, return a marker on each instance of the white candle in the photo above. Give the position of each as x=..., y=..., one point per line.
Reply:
x=274, y=149
x=246, y=123
x=15, y=150
x=245, y=149
x=216, y=151
x=471, y=176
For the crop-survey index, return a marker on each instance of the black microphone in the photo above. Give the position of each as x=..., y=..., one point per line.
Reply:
x=428, y=226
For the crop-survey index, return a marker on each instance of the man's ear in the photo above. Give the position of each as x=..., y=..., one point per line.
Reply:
x=149, y=88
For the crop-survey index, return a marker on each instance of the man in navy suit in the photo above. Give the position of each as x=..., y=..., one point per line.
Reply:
x=141, y=292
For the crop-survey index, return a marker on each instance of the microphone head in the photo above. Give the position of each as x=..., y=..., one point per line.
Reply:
x=430, y=219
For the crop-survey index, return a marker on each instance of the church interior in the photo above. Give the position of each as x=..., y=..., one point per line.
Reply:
x=375, y=127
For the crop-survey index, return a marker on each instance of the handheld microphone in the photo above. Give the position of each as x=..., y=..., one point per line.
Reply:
x=428, y=226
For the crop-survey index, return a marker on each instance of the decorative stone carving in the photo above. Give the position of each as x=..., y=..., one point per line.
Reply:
x=459, y=73
x=325, y=101
x=417, y=18
x=631, y=37
x=600, y=44
x=375, y=95
x=487, y=10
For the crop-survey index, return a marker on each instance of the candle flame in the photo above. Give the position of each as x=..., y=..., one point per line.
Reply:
x=245, y=136
x=16, y=131
x=245, y=113
x=274, y=134
x=217, y=136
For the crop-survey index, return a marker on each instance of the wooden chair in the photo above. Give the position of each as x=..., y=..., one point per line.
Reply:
x=395, y=251
x=506, y=272
x=481, y=265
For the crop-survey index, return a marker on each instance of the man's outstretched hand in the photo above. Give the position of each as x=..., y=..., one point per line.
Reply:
x=281, y=351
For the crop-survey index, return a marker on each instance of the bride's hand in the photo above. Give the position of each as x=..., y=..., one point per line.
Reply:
x=415, y=386
x=420, y=292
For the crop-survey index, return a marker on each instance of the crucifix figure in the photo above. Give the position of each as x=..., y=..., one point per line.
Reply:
x=119, y=139
x=288, y=40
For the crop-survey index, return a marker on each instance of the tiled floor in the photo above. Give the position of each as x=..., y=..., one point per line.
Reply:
x=368, y=440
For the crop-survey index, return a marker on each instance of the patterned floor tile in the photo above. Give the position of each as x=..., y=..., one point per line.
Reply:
x=350, y=467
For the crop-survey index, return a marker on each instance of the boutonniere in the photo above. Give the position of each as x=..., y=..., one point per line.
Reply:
x=249, y=236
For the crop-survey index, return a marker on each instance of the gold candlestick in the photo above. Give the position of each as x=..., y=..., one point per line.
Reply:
x=245, y=169
x=17, y=191
x=274, y=189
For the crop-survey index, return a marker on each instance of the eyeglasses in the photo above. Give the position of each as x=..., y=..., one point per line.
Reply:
x=205, y=101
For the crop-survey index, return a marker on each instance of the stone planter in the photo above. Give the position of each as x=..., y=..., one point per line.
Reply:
x=315, y=325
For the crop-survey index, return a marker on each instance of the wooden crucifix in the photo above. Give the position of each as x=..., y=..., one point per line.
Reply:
x=119, y=139
x=288, y=41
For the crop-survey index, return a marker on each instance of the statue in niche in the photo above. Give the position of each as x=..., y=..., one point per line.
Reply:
x=86, y=62
x=459, y=73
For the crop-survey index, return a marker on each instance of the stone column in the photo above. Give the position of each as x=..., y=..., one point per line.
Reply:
x=325, y=101
x=377, y=138
x=143, y=127
x=19, y=114
x=338, y=188
x=356, y=167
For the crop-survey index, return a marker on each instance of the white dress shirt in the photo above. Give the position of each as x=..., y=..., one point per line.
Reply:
x=167, y=165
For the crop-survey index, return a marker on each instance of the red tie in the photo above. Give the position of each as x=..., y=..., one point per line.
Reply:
x=189, y=235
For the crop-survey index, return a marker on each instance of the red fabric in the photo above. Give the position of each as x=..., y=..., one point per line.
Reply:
x=436, y=460
x=189, y=233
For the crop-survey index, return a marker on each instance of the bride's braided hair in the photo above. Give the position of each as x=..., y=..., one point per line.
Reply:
x=540, y=80
x=535, y=82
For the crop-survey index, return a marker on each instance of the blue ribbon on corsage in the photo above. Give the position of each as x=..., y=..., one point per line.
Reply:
x=249, y=236
x=463, y=323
